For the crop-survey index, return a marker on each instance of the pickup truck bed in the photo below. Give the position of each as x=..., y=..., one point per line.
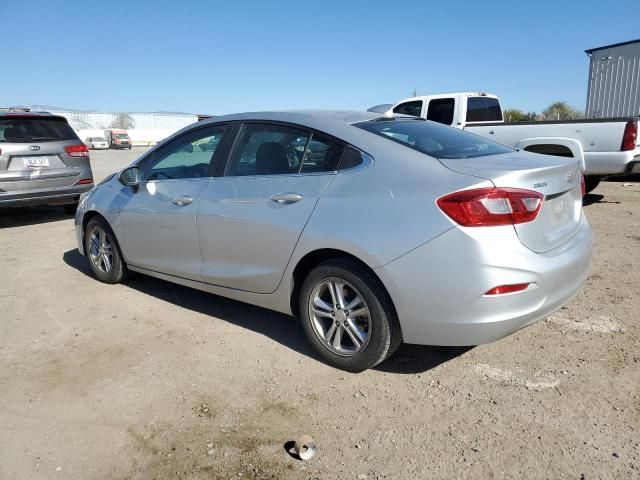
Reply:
x=596, y=142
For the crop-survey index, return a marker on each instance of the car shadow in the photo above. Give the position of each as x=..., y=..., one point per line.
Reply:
x=591, y=198
x=408, y=359
x=21, y=216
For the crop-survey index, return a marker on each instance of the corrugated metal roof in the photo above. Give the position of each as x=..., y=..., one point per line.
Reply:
x=588, y=52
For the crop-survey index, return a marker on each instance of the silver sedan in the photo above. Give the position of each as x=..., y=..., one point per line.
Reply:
x=372, y=230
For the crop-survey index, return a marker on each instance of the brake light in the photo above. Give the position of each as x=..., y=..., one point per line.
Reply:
x=582, y=185
x=630, y=136
x=79, y=150
x=491, y=206
x=502, y=289
x=84, y=181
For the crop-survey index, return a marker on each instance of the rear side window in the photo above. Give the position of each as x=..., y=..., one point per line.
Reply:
x=28, y=130
x=483, y=109
x=267, y=150
x=435, y=140
x=322, y=155
x=352, y=158
x=441, y=110
x=413, y=108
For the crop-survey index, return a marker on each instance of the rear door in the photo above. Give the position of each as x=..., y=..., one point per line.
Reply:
x=32, y=149
x=158, y=218
x=250, y=219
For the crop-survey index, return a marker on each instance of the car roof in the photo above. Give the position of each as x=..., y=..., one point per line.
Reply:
x=31, y=115
x=309, y=118
x=336, y=123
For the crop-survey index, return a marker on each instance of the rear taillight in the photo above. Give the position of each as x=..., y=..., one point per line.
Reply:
x=630, y=136
x=484, y=207
x=582, y=185
x=79, y=150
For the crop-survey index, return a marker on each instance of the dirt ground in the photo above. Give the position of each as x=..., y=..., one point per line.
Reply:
x=153, y=380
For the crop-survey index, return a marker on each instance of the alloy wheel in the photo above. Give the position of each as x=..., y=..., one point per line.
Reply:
x=340, y=316
x=100, y=250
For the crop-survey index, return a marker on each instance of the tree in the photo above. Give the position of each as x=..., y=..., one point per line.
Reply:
x=123, y=121
x=561, y=111
x=514, y=115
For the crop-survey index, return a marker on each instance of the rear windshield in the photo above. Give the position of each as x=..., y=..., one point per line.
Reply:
x=434, y=139
x=27, y=130
x=483, y=109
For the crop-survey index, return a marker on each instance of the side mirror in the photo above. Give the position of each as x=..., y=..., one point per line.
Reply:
x=130, y=176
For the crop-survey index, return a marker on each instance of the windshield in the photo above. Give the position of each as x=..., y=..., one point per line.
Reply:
x=27, y=130
x=121, y=135
x=434, y=139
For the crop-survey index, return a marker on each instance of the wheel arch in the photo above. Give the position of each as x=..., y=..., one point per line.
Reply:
x=314, y=258
x=558, y=146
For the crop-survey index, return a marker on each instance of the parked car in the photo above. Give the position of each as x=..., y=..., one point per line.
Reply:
x=605, y=146
x=371, y=230
x=118, y=138
x=42, y=161
x=97, y=143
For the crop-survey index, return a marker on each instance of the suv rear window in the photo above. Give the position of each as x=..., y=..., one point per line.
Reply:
x=434, y=139
x=27, y=130
x=483, y=109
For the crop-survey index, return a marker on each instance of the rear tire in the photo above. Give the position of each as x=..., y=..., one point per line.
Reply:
x=330, y=295
x=103, y=252
x=591, y=182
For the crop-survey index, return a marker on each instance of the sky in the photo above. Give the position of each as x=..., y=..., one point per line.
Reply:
x=220, y=57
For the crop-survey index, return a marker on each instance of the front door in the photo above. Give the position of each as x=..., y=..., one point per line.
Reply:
x=250, y=220
x=159, y=216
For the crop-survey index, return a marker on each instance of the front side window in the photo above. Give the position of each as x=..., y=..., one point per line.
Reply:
x=187, y=156
x=413, y=108
x=435, y=140
x=441, y=110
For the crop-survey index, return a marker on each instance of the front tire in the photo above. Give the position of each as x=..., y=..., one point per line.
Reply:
x=103, y=253
x=348, y=316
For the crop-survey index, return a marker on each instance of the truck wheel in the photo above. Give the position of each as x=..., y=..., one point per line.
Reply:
x=591, y=182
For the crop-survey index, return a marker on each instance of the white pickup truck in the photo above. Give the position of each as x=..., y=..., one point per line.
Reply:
x=605, y=147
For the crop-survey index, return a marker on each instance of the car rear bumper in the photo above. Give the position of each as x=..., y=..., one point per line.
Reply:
x=44, y=196
x=438, y=289
x=610, y=163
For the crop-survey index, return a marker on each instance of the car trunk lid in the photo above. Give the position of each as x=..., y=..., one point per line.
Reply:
x=558, y=179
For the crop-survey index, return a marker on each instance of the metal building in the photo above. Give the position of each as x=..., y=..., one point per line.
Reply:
x=614, y=81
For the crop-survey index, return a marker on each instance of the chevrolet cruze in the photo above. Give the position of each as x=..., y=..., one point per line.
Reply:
x=371, y=230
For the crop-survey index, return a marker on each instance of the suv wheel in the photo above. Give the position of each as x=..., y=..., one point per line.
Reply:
x=70, y=208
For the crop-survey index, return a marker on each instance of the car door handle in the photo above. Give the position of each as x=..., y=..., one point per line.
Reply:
x=183, y=201
x=286, y=198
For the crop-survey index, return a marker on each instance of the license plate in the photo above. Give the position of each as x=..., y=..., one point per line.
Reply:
x=35, y=162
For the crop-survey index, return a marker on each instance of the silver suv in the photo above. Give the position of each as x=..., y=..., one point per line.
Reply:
x=42, y=161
